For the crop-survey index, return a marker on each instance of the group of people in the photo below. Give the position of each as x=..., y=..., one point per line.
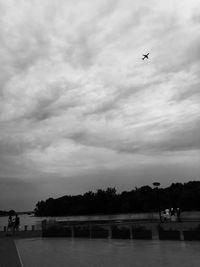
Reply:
x=13, y=224
x=171, y=215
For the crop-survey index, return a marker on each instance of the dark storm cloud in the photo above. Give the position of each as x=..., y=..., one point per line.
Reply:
x=17, y=194
x=77, y=101
x=183, y=138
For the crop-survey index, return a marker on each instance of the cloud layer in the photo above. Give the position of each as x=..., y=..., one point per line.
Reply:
x=79, y=107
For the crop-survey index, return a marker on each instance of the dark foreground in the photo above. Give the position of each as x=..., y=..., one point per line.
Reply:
x=8, y=253
x=9, y=256
x=80, y=252
x=103, y=244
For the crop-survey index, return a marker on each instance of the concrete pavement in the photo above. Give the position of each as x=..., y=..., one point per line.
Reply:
x=8, y=253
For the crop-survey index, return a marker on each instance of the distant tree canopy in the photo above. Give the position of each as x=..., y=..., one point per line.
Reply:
x=144, y=199
x=6, y=213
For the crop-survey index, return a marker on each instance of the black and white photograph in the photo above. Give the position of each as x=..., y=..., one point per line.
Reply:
x=99, y=133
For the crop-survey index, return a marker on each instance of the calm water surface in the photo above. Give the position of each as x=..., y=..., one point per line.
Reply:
x=107, y=253
x=31, y=220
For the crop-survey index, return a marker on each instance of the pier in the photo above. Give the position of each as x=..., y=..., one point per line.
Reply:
x=104, y=229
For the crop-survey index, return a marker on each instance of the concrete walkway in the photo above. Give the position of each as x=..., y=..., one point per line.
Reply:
x=9, y=256
x=8, y=253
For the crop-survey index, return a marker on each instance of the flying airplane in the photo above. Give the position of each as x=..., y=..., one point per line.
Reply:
x=145, y=56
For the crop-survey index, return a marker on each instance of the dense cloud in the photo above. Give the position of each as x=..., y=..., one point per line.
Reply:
x=77, y=101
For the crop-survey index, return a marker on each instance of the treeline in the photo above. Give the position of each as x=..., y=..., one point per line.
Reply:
x=144, y=199
x=6, y=213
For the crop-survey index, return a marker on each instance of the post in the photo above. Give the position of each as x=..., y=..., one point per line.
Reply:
x=90, y=230
x=181, y=236
x=131, y=232
x=109, y=231
x=44, y=225
x=72, y=229
x=156, y=184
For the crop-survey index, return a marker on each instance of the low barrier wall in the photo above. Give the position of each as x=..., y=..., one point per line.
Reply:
x=121, y=230
x=191, y=235
x=169, y=235
x=115, y=230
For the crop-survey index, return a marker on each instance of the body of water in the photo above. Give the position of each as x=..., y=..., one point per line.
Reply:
x=31, y=220
x=64, y=252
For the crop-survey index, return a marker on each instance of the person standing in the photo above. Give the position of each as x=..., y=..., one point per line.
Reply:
x=173, y=218
x=167, y=214
x=10, y=225
x=16, y=223
x=178, y=212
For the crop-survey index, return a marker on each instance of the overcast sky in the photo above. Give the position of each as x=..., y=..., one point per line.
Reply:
x=80, y=109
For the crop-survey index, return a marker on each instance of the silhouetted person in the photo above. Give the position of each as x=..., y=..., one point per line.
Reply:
x=164, y=216
x=178, y=212
x=173, y=218
x=167, y=214
x=172, y=212
x=10, y=225
x=16, y=223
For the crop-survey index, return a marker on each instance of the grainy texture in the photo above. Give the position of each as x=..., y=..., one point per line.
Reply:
x=8, y=253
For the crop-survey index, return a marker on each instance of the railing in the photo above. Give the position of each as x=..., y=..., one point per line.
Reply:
x=127, y=229
x=23, y=228
x=123, y=229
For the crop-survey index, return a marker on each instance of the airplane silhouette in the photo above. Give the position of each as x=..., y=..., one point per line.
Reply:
x=145, y=56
